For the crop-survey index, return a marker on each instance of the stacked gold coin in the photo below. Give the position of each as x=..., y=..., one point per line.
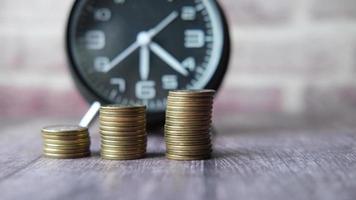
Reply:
x=188, y=122
x=123, y=132
x=66, y=141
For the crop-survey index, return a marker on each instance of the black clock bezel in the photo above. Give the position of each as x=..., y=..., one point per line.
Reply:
x=154, y=118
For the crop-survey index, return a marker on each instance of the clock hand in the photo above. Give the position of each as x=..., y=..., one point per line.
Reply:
x=123, y=55
x=144, y=62
x=168, y=58
x=163, y=24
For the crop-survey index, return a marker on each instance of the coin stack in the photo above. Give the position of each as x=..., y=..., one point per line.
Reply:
x=188, y=122
x=66, y=141
x=123, y=132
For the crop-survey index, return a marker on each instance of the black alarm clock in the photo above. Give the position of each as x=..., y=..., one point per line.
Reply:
x=135, y=51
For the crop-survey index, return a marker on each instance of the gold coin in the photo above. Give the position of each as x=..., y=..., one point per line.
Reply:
x=194, y=109
x=187, y=131
x=124, y=143
x=206, y=105
x=122, y=152
x=66, y=156
x=187, y=158
x=119, y=151
x=186, y=147
x=140, y=145
x=66, y=142
x=66, y=137
x=121, y=157
x=115, y=119
x=125, y=148
x=187, y=128
x=122, y=111
x=191, y=148
x=188, y=114
x=64, y=129
x=184, y=118
x=124, y=137
x=123, y=124
x=65, y=151
x=192, y=93
x=186, y=138
x=120, y=123
x=189, y=152
x=122, y=116
x=188, y=123
x=190, y=99
x=123, y=107
x=187, y=134
x=202, y=104
x=184, y=127
x=64, y=147
x=187, y=142
x=123, y=129
x=122, y=133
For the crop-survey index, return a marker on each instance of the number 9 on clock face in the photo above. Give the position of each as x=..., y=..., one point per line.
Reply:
x=135, y=51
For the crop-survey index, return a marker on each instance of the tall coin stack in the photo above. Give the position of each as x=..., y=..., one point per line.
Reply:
x=188, y=124
x=66, y=141
x=123, y=132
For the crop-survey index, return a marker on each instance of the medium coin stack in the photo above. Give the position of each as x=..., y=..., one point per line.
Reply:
x=123, y=132
x=188, y=122
x=66, y=141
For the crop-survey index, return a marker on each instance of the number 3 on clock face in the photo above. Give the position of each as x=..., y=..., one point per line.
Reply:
x=135, y=51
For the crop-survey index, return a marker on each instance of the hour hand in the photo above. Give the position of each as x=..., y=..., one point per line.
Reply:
x=168, y=58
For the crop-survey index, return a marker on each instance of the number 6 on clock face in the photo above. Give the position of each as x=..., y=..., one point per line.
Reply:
x=135, y=51
x=145, y=90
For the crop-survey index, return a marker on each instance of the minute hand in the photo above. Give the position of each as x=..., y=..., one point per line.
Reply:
x=163, y=24
x=168, y=58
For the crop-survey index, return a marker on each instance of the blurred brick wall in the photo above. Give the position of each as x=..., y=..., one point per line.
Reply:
x=289, y=57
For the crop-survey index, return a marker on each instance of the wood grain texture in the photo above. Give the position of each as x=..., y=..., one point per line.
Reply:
x=273, y=164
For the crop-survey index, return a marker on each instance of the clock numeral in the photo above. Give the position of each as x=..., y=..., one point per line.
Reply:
x=95, y=39
x=120, y=83
x=102, y=14
x=188, y=13
x=194, y=39
x=101, y=64
x=189, y=63
x=145, y=90
x=169, y=82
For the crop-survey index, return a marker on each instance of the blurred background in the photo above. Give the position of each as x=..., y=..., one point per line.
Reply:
x=293, y=63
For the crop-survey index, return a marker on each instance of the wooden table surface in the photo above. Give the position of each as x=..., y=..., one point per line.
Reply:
x=248, y=164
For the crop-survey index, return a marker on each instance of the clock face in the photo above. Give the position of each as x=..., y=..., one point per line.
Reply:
x=135, y=51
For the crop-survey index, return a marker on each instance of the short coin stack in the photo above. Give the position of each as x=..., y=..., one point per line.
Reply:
x=66, y=141
x=188, y=123
x=123, y=132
